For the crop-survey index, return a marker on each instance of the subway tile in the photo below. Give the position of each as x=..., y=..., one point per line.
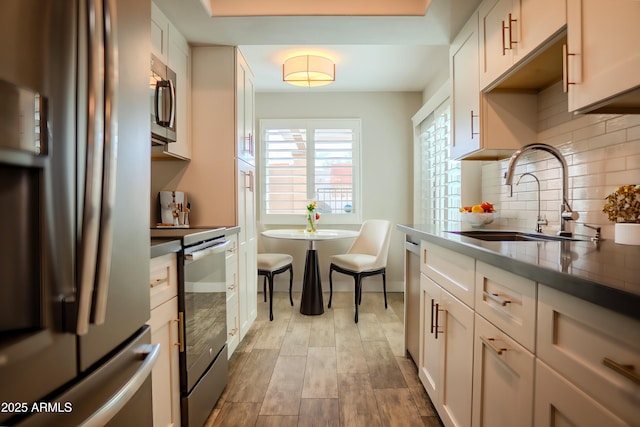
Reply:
x=623, y=121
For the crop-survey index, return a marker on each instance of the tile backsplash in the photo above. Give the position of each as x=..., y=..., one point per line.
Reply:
x=601, y=150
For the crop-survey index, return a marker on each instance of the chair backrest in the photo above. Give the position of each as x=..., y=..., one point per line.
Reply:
x=374, y=238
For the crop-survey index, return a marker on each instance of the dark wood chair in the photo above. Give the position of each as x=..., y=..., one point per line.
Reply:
x=268, y=266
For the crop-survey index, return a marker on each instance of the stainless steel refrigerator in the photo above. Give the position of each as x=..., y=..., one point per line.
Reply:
x=74, y=213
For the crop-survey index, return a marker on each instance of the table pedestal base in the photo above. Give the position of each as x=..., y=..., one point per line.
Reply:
x=311, y=300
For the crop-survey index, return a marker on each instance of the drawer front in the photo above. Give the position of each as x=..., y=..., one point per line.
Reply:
x=232, y=276
x=584, y=343
x=233, y=324
x=508, y=301
x=163, y=279
x=502, y=379
x=560, y=403
x=451, y=270
x=232, y=250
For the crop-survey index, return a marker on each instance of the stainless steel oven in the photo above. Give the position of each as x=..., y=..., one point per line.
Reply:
x=202, y=296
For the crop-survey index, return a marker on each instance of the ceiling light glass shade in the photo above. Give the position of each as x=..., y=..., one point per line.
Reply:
x=308, y=71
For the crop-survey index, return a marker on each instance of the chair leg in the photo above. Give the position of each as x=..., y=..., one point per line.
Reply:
x=264, y=288
x=291, y=284
x=330, y=285
x=358, y=294
x=271, y=297
x=384, y=288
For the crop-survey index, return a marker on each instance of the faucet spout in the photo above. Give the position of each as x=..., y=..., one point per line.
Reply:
x=566, y=213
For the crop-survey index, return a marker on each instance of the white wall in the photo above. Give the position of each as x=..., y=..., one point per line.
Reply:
x=602, y=152
x=387, y=150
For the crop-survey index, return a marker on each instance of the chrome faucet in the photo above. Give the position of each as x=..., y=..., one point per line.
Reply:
x=539, y=221
x=566, y=213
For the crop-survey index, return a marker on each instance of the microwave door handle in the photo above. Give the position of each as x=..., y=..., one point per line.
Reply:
x=156, y=102
x=88, y=248
x=109, y=173
x=172, y=104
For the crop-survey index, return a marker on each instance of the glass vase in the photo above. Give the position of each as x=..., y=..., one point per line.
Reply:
x=311, y=222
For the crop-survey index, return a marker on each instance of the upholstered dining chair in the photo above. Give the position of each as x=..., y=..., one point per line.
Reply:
x=367, y=256
x=270, y=264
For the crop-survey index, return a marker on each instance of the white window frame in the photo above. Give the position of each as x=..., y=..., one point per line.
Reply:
x=311, y=124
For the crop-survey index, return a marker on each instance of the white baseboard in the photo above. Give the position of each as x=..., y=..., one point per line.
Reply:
x=369, y=284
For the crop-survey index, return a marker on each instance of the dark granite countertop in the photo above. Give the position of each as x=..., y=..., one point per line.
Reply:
x=161, y=247
x=604, y=273
x=167, y=240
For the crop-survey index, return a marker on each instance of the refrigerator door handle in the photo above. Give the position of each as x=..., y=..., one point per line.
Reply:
x=93, y=168
x=101, y=417
x=109, y=168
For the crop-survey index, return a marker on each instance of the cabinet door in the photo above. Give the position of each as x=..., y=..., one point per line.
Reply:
x=429, y=359
x=247, y=243
x=496, y=56
x=597, y=349
x=159, y=33
x=456, y=321
x=537, y=21
x=604, y=50
x=180, y=62
x=465, y=71
x=233, y=324
x=245, y=94
x=560, y=403
x=502, y=379
x=165, y=377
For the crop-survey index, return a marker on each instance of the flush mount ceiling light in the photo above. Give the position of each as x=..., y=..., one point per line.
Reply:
x=308, y=71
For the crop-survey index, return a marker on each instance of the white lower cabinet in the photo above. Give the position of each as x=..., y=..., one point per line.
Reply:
x=595, y=349
x=233, y=321
x=165, y=376
x=559, y=403
x=446, y=352
x=521, y=353
x=502, y=379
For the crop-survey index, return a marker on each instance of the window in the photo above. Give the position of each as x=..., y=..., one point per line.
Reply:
x=440, y=177
x=304, y=160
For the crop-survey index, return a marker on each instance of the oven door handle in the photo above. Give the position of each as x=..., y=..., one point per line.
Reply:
x=211, y=250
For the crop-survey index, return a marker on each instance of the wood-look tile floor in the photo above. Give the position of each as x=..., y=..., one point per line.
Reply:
x=325, y=370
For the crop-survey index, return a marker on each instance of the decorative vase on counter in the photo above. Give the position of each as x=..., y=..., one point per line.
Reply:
x=312, y=222
x=627, y=233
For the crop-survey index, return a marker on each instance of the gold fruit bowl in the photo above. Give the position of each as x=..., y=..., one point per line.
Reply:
x=478, y=219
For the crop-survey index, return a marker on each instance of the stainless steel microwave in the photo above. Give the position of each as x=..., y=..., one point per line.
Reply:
x=162, y=88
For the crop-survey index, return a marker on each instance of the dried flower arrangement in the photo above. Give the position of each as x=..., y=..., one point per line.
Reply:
x=623, y=205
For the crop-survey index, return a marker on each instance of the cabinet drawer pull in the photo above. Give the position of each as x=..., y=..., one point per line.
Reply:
x=504, y=46
x=437, y=325
x=565, y=68
x=157, y=282
x=511, y=42
x=233, y=332
x=627, y=371
x=490, y=342
x=496, y=298
x=472, y=117
x=181, y=331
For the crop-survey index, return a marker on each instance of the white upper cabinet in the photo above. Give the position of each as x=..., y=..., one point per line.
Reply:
x=512, y=29
x=159, y=34
x=170, y=46
x=486, y=126
x=603, y=54
x=463, y=65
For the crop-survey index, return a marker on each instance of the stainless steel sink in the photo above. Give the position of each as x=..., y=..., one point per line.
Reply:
x=510, y=236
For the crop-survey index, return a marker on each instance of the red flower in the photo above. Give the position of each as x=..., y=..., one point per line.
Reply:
x=317, y=216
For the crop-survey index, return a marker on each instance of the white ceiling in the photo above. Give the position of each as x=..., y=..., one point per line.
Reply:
x=372, y=53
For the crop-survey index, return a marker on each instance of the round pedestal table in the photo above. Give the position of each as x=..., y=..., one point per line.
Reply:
x=311, y=302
